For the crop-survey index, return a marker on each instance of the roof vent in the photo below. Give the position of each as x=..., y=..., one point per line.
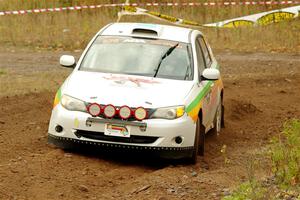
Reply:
x=141, y=32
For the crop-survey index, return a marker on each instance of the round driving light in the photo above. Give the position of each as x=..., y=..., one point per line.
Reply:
x=140, y=113
x=59, y=129
x=178, y=140
x=94, y=109
x=125, y=112
x=109, y=111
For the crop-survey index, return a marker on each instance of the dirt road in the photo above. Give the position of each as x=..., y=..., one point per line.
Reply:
x=261, y=92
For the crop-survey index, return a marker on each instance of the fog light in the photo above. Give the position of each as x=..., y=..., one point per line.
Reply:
x=59, y=129
x=178, y=140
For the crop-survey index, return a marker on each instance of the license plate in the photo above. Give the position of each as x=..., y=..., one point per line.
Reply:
x=116, y=130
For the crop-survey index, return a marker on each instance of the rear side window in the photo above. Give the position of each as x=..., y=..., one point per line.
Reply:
x=206, y=53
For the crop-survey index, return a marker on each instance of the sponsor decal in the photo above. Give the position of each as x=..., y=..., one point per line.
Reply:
x=114, y=40
x=194, y=107
x=260, y=19
x=123, y=80
x=264, y=18
x=275, y=17
x=129, y=10
x=238, y=23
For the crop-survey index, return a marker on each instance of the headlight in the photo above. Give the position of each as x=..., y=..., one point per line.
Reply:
x=73, y=104
x=169, y=112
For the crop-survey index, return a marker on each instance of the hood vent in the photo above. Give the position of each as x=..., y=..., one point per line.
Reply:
x=141, y=32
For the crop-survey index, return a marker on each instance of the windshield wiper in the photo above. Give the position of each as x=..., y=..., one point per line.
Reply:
x=187, y=73
x=168, y=52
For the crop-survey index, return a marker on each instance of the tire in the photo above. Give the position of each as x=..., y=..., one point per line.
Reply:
x=198, y=142
x=194, y=157
x=201, y=139
x=219, y=119
x=223, y=117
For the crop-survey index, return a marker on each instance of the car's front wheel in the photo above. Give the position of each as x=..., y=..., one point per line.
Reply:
x=199, y=142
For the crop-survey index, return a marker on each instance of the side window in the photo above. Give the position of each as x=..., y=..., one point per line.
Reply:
x=200, y=59
x=206, y=54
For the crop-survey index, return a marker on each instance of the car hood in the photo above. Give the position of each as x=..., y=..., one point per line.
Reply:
x=133, y=91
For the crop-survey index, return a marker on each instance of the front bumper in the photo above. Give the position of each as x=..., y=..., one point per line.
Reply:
x=150, y=135
x=163, y=152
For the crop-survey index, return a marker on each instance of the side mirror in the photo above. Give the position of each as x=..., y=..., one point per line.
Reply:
x=67, y=61
x=211, y=74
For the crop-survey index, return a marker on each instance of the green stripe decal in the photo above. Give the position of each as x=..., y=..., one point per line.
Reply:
x=199, y=97
x=59, y=93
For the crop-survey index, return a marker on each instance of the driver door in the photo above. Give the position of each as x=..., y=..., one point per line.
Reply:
x=204, y=61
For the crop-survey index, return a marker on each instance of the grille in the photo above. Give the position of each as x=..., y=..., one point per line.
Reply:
x=100, y=136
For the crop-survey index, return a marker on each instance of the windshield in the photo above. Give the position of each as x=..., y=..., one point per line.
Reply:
x=136, y=56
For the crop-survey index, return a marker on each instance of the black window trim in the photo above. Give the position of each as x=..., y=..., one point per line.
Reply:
x=209, y=53
x=201, y=50
x=202, y=54
x=207, y=65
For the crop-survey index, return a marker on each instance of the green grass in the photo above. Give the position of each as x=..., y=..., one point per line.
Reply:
x=285, y=155
x=248, y=190
x=73, y=29
x=285, y=158
x=2, y=72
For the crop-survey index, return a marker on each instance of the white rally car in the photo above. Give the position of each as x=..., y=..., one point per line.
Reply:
x=140, y=86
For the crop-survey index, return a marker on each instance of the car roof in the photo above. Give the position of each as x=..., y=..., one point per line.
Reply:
x=156, y=31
